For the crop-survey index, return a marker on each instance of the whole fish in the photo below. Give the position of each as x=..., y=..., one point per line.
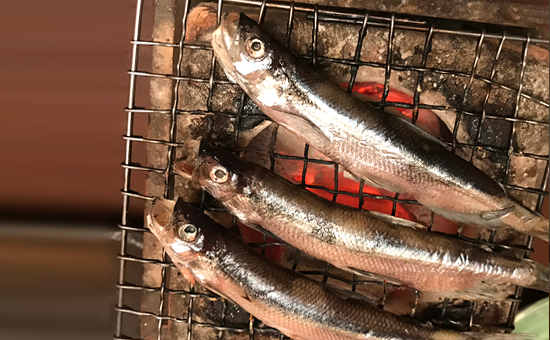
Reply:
x=383, y=149
x=298, y=306
x=357, y=240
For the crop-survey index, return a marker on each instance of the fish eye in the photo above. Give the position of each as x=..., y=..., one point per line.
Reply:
x=255, y=48
x=188, y=232
x=219, y=174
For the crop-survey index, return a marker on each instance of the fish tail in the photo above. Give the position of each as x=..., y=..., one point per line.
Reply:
x=541, y=274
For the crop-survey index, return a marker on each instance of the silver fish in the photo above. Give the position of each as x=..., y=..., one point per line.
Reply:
x=356, y=240
x=383, y=149
x=298, y=306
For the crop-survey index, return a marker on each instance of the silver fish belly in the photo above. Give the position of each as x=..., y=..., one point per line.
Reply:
x=358, y=240
x=299, y=307
x=382, y=149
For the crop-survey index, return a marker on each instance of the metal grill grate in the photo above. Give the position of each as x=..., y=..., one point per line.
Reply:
x=364, y=20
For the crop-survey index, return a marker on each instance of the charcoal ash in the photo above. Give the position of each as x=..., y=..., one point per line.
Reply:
x=228, y=123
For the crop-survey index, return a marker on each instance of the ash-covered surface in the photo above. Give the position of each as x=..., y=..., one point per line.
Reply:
x=520, y=14
x=225, y=116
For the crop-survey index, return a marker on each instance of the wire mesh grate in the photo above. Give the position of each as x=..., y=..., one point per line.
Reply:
x=364, y=21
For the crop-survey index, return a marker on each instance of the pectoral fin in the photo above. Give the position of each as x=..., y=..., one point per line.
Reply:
x=492, y=215
x=300, y=126
x=187, y=274
x=374, y=277
x=396, y=220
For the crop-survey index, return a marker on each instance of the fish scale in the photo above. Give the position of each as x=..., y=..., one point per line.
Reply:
x=299, y=307
x=358, y=240
x=380, y=148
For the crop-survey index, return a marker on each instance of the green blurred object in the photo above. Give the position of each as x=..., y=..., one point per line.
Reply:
x=534, y=320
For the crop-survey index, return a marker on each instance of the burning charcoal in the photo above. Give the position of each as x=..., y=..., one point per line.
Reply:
x=526, y=172
x=217, y=114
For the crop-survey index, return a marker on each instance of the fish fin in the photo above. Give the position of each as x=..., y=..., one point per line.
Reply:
x=514, y=216
x=217, y=292
x=352, y=176
x=374, y=277
x=376, y=184
x=396, y=220
x=486, y=247
x=480, y=291
x=297, y=124
x=523, y=220
x=491, y=215
x=246, y=297
x=187, y=274
x=181, y=266
x=246, y=136
x=542, y=276
x=418, y=130
x=370, y=182
x=260, y=229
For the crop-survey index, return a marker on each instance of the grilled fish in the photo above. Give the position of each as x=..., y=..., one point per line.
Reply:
x=383, y=149
x=299, y=307
x=357, y=240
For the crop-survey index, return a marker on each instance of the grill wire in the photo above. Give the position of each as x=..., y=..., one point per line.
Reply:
x=316, y=14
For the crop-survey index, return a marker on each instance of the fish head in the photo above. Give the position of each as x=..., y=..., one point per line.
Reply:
x=251, y=58
x=184, y=231
x=216, y=170
x=188, y=236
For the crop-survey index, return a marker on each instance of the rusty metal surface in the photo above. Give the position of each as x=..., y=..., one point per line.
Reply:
x=495, y=83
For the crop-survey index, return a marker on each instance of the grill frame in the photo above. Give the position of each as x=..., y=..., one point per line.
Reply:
x=363, y=19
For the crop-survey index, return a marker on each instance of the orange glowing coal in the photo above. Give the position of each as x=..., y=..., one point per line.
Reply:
x=323, y=175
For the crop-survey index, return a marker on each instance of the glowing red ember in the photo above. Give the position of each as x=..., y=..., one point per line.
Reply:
x=322, y=175
x=369, y=91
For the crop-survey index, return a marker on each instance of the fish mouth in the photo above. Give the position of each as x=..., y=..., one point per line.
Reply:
x=159, y=215
x=224, y=36
x=184, y=168
x=223, y=39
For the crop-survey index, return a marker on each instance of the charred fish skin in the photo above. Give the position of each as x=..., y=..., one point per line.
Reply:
x=299, y=307
x=354, y=239
x=382, y=149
